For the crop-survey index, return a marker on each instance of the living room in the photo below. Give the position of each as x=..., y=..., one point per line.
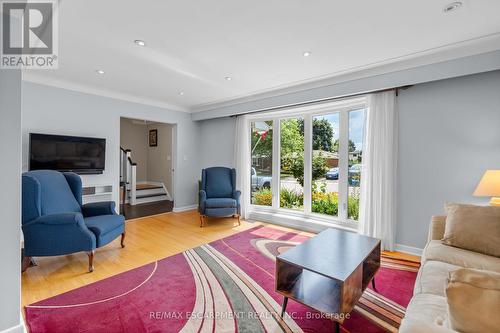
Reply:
x=328, y=166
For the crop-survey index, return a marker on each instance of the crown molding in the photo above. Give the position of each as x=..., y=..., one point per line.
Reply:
x=470, y=47
x=485, y=62
x=30, y=76
x=463, y=49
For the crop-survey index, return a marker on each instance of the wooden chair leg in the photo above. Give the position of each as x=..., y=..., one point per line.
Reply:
x=239, y=221
x=201, y=221
x=91, y=260
x=122, y=241
x=25, y=264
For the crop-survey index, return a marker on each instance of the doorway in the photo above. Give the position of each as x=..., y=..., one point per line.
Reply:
x=146, y=167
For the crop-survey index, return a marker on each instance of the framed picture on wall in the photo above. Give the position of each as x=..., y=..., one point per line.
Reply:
x=153, y=138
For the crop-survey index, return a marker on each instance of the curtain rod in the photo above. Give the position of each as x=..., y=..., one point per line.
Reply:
x=323, y=100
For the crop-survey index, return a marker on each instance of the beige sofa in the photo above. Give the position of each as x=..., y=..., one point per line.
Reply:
x=427, y=311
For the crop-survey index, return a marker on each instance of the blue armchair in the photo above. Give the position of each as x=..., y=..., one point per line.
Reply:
x=55, y=222
x=218, y=196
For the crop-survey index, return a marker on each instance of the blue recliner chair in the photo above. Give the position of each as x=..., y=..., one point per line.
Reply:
x=218, y=195
x=55, y=222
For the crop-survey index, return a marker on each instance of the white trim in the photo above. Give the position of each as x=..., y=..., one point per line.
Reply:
x=23, y=323
x=29, y=76
x=276, y=160
x=450, y=52
x=15, y=329
x=307, y=188
x=317, y=109
x=184, y=208
x=409, y=249
x=343, y=153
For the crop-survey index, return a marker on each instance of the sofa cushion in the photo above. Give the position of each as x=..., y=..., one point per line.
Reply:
x=102, y=224
x=473, y=298
x=474, y=228
x=433, y=277
x=416, y=326
x=435, y=250
x=428, y=308
x=220, y=203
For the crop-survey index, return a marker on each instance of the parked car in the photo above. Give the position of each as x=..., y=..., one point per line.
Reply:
x=332, y=174
x=355, y=175
x=355, y=169
x=259, y=182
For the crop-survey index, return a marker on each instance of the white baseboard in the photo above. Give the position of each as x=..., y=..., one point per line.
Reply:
x=409, y=249
x=15, y=329
x=184, y=208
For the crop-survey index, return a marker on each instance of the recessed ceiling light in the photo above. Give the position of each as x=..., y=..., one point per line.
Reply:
x=181, y=93
x=306, y=54
x=452, y=6
x=140, y=42
x=228, y=78
x=100, y=71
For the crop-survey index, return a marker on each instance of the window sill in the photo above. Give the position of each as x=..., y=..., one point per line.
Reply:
x=307, y=222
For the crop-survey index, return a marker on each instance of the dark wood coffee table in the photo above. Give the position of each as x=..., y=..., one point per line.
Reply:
x=328, y=272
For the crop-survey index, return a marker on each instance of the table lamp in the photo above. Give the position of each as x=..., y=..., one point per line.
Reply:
x=489, y=186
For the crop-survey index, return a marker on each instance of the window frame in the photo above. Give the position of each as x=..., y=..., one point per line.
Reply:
x=343, y=107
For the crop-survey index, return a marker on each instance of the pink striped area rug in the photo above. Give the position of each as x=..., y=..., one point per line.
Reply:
x=224, y=286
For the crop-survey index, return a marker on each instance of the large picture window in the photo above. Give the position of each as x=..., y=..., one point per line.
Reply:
x=309, y=160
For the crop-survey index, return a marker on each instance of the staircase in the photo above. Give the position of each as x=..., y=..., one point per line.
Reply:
x=138, y=192
x=150, y=192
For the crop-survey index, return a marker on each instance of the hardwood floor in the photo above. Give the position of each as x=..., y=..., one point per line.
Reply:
x=147, y=240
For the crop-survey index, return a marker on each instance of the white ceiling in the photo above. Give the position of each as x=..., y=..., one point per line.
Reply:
x=193, y=45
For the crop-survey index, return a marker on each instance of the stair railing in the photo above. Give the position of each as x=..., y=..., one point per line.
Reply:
x=128, y=174
x=133, y=182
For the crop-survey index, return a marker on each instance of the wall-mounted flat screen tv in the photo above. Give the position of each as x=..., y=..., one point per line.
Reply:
x=67, y=153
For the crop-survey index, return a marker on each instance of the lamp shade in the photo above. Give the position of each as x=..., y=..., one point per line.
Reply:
x=489, y=186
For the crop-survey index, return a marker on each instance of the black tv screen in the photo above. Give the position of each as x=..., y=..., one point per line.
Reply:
x=67, y=153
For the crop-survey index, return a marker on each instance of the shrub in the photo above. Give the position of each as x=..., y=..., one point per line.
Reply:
x=291, y=199
x=353, y=207
x=325, y=203
x=322, y=202
x=287, y=163
x=263, y=197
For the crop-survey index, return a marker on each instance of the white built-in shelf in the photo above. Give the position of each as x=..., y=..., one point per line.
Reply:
x=96, y=193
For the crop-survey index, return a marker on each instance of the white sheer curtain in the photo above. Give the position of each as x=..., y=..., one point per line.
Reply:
x=242, y=162
x=377, y=216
